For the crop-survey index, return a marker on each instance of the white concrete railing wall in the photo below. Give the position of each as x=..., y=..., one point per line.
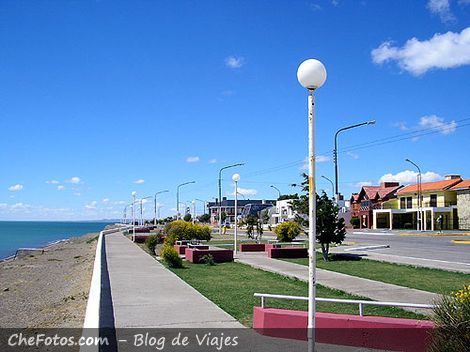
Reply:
x=92, y=315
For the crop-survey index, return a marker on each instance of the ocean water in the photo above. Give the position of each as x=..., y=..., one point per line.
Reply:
x=30, y=234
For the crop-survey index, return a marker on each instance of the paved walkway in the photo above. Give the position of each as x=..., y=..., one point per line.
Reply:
x=146, y=294
x=374, y=290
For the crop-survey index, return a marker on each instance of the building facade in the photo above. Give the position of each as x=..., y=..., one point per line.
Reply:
x=463, y=204
x=227, y=206
x=438, y=211
x=370, y=198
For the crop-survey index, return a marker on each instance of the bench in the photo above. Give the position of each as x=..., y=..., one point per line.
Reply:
x=252, y=247
x=288, y=252
x=194, y=255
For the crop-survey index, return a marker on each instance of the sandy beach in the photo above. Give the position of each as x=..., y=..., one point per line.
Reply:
x=49, y=289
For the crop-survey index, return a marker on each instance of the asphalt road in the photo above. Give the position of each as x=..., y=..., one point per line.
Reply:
x=426, y=247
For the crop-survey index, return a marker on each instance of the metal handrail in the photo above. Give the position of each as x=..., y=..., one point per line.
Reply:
x=360, y=303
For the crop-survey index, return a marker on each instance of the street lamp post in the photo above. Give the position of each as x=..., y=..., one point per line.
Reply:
x=194, y=211
x=311, y=75
x=332, y=187
x=335, y=152
x=419, y=222
x=142, y=210
x=178, y=197
x=134, y=194
x=279, y=220
x=277, y=189
x=203, y=202
x=155, y=206
x=236, y=178
x=220, y=192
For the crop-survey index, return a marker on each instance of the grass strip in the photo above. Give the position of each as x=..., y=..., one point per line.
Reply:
x=231, y=286
x=425, y=279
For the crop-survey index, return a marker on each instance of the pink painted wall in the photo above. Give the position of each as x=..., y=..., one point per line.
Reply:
x=392, y=334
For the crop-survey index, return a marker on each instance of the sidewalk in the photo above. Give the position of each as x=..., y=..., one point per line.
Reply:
x=377, y=291
x=146, y=294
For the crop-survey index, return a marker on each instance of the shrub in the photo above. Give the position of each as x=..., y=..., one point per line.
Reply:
x=171, y=257
x=182, y=230
x=287, y=231
x=187, y=217
x=451, y=318
x=207, y=259
x=354, y=222
x=152, y=241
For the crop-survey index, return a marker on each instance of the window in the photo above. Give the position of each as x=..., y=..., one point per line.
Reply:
x=409, y=202
x=402, y=203
x=433, y=200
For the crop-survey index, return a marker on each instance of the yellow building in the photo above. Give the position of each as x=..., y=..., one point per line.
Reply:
x=437, y=199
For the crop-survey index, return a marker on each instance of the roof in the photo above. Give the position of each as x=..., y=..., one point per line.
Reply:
x=378, y=192
x=465, y=184
x=430, y=186
x=354, y=197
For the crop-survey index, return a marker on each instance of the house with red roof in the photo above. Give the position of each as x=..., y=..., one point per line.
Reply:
x=463, y=203
x=370, y=198
x=438, y=208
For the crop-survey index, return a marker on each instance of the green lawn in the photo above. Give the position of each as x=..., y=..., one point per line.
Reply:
x=431, y=280
x=231, y=286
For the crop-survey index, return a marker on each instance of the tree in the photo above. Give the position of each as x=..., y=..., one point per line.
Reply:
x=187, y=217
x=204, y=218
x=254, y=223
x=330, y=228
x=223, y=216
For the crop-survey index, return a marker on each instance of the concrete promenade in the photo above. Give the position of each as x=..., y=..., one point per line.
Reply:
x=147, y=295
x=374, y=290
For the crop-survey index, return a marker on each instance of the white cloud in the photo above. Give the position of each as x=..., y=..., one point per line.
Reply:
x=15, y=188
x=105, y=200
x=353, y=155
x=442, y=9
x=192, y=159
x=139, y=181
x=60, y=188
x=91, y=205
x=78, y=194
x=212, y=161
x=74, y=180
x=442, y=51
x=234, y=62
x=52, y=182
x=438, y=123
x=318, y=159
x=407, y=177
x=246, y=191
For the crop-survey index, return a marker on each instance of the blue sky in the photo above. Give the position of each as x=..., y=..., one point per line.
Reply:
x=101, y=98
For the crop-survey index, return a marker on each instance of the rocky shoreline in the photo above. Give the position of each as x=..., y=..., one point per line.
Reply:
x=48, y=288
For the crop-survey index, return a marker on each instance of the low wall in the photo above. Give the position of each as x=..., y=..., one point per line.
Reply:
x=252, y=247
x=391, y=334
x=181, y=249
x=288, y=252
x=219, y=255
